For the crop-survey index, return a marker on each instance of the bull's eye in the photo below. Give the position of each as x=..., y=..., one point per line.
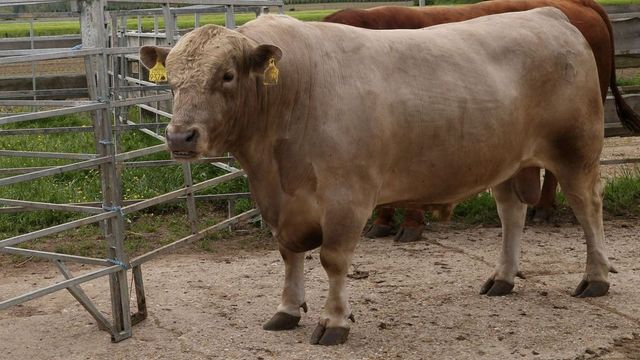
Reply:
x=228, y=76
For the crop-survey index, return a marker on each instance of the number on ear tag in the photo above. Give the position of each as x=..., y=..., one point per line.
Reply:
x=158, y=73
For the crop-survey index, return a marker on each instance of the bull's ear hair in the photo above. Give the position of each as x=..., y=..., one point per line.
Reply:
x=150, y=55
x=261, y=55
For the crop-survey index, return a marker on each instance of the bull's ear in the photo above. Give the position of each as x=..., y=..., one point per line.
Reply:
x=150, y=55
x=261, y=55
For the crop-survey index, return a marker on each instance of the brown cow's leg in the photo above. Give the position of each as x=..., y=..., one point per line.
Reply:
x=341, y=231
x=543, y=209
x=583, y=190
x=288, y=313
x=383, y=224
x=412, y=227
x=512, y=215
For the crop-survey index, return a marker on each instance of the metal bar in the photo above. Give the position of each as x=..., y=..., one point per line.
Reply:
x=191, y=238
x=150, y=163
x=77, y=292
x=18, y=171
x=51, y=206
x=55, y=229
x=49, y=113
x=208, y=2
x=141, y=299
x=139, y=100
x=59, y=286
x=211, y=197
x=156, y=111
x=180, y=192
x=140, y=152
x=64, y=54
x=47, y=155
x=191, y=202
x=72, y=129
x=148, y=132
x=54, y=171
x=45, y=102
x=55, y=256
x=70, y=92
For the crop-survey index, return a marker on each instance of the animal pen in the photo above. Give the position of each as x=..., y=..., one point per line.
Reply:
x=116, y=81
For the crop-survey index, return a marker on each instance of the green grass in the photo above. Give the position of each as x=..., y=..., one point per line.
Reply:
x=621, y=198
x=622, y=194
x=629, y=81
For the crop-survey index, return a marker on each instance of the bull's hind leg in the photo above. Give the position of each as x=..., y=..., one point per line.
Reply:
x=512, y=214
x=288, y=313
x=583, y=190
x=341, y=231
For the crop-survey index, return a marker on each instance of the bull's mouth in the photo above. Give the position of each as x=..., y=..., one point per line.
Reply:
x=184, y=155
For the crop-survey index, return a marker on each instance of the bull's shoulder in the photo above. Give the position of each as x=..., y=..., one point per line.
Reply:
x=295, y=170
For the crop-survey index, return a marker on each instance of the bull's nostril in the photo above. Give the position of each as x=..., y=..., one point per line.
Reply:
x=193, y=135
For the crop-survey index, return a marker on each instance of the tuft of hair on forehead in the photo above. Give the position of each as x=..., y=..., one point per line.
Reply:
x=193, y=56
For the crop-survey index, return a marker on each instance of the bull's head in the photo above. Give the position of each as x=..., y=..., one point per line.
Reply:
x=213, y=73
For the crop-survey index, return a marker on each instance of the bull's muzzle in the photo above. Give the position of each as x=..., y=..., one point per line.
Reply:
x=182, y=143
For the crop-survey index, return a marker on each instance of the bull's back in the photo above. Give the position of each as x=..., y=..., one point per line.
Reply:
x=587, y=15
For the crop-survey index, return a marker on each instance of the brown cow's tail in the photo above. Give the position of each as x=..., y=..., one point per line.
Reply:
x=627, y=116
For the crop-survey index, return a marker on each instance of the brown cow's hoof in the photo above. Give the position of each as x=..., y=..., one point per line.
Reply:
x=591, y=289
x=282, y=321
x=378, y=231
x=493, y=287
x=539, y=215
x=329, y=336
x=409, y=234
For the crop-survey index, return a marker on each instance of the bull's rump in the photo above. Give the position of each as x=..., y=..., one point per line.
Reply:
x=458, y=107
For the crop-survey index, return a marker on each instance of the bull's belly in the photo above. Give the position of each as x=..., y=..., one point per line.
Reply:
x=413, y=186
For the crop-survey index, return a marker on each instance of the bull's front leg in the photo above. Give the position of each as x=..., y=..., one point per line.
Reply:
x=512, y=214
x=341, y=232
x=288, y=313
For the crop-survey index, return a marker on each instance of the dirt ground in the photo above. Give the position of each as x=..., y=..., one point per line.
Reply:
x=411, y=301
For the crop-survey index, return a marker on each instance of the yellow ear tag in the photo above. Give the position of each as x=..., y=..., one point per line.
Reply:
x=158, y=73
x=271, y=73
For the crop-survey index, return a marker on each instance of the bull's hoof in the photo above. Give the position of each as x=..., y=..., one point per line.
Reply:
x=409, y=234
x=539, y=215
x=591, y=289
x=329, y=336
x=493, y=287
x=282, y=321
x=378, y=231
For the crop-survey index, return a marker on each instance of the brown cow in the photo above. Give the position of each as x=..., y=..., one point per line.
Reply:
x=361, y=118
x=587, y=15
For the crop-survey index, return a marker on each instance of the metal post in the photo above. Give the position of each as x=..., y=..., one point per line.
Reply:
x=140, y=297
x=229, y=18
x=191, y=202
x=169, y=26
x=92, y=23
x=33, y=64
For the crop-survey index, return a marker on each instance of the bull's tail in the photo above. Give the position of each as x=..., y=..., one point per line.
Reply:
x=627, y=116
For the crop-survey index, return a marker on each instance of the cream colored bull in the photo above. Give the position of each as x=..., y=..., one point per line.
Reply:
x=361, y=118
